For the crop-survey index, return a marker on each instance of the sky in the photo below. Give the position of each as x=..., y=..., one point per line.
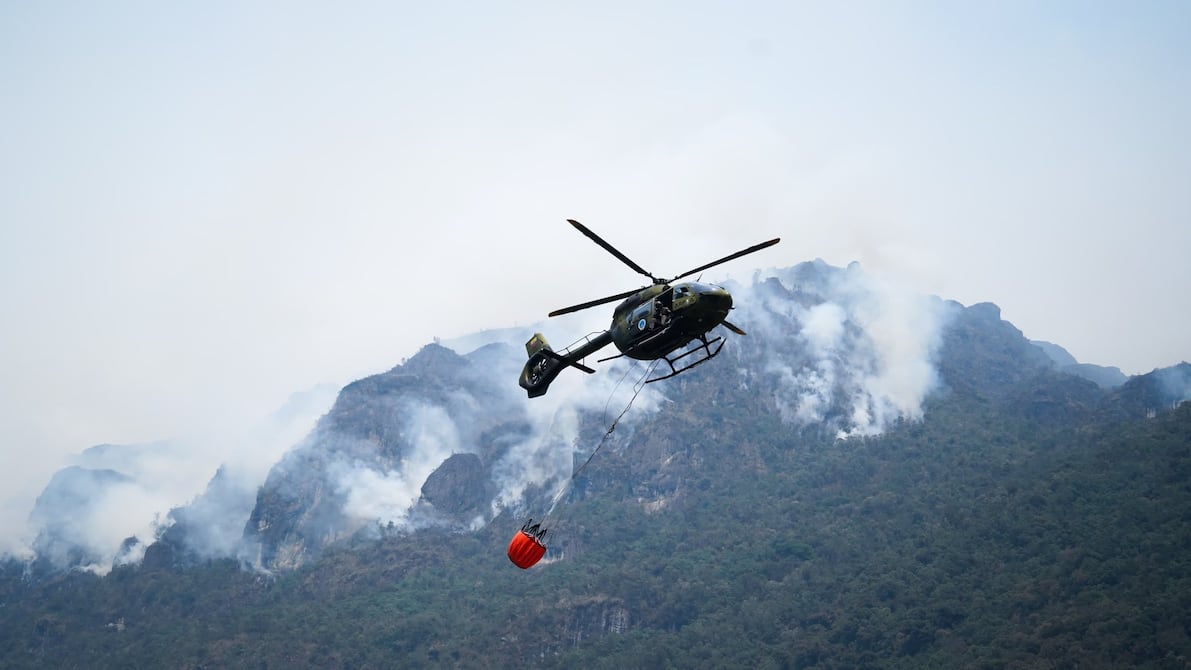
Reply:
x=205, y=207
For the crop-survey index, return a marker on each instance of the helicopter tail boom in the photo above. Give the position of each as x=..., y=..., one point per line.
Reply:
x=544, y=363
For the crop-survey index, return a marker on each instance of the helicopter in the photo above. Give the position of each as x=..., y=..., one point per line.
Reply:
x=651, y=323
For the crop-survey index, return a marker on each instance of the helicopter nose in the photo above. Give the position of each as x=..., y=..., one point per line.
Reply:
x=716, y=298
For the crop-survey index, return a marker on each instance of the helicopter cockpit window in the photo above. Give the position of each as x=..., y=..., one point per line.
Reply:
x=683, y=295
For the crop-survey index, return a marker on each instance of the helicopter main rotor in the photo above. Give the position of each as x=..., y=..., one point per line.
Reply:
x=612, y=250
x=640, y=270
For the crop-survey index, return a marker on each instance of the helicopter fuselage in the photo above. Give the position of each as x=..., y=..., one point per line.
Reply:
x=648, y=325
x=664, y=317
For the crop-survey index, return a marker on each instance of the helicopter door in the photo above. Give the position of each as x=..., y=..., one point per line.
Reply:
x=642, y=319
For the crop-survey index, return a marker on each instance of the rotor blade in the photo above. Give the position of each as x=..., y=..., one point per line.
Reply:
x=725, y=259
x=733, y=327
x=593, y=303
x=609, y=248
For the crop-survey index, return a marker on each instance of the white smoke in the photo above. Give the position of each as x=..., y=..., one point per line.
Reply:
x=83, y=517
x=1175, y=382
x=822, y=331
x=904, y=331
x=374, y=492
x=548, y=458
x=843, y=346
x=540, y=460
x=111, y=493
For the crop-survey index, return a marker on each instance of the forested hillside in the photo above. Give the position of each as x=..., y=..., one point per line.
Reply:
x=978, y=537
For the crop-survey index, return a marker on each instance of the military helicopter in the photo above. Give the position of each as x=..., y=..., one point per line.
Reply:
x=652, y=323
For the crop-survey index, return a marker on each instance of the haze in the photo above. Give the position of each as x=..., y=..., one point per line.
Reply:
x=207, y=207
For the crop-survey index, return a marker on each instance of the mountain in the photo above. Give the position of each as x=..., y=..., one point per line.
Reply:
x=868, y=479
x=1106, y=377
x=363, y=468
x=444, y=441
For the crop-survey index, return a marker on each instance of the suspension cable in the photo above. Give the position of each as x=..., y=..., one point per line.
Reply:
x=637, y=387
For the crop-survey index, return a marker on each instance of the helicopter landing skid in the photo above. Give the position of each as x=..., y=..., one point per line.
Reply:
x=705, y=347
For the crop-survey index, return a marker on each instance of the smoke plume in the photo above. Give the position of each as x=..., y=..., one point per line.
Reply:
x=841, y=349
x=114, y=500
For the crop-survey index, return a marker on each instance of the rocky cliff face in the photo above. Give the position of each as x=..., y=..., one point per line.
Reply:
x=986, y=355
x=459, y=486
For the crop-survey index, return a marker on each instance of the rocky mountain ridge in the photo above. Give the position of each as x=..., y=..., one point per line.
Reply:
x=444, y=440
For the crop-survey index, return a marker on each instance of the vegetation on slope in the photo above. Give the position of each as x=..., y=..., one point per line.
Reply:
x=976, y=538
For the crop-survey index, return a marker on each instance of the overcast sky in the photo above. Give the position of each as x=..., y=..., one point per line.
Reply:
x=207, y=206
